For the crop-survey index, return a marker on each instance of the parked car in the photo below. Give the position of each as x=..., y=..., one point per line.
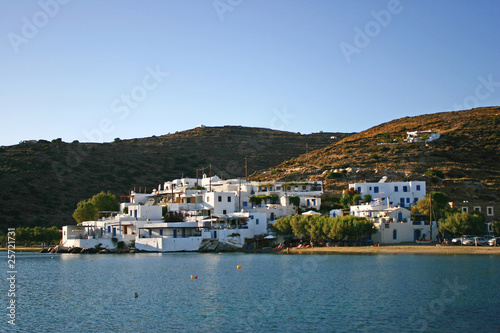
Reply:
x=475, y=240
x=460, y=240
x=494, y=241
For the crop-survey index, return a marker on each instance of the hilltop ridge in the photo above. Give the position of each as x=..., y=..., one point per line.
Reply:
x=45, y=180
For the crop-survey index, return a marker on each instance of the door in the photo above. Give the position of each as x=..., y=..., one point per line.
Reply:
x=402, y=202
x=416, y=235
x=400, y=216
x=175, y=233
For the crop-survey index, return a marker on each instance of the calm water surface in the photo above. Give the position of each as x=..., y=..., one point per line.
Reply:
x=270, y=293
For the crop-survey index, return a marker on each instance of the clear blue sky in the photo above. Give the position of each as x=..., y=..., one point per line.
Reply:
x=97, y=70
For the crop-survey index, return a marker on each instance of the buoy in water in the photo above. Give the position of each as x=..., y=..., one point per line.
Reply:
x=196, y=277
x=238, y=267
x=136, y=295
x=192, y=277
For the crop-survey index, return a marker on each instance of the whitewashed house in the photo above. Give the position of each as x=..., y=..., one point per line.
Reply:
x=394, y=224
x=403, y=194
x=421, y=136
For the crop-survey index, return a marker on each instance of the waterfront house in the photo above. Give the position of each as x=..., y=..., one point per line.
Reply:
x=404, y=194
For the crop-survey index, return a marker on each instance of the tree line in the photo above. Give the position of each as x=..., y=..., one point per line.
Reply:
x=350, y=228
x=37, y=235
x=452, y=221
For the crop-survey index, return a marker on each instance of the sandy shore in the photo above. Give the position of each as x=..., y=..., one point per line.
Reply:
x=399, y=249
x=23, y=249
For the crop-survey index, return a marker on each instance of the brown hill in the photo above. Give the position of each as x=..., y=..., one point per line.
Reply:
x=463, y=162
x=42, y=181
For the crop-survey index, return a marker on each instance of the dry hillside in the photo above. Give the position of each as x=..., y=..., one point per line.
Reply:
x=463, y=162
x=43, y=181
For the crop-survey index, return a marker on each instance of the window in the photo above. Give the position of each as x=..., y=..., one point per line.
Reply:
x=489, y=211
x=224, y=212
x=394, y=234
x=369, y=188
x=375, y=189
x=257, y=221
x=405, y=188
x=418, y=187
x=465, y=209
x=396, y=189
x=407, y=200
x=477, y=208
x=245, y=204
x=219, y=198
x=359, y=189
x=303, y=187
x=228, y=199
x=208, y=199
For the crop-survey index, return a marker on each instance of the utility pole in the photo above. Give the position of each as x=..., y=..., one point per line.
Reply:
x=246, y=169
x=430, y=213
x=239, y=195
x=210, y=172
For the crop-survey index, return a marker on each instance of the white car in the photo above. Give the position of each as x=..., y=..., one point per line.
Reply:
x=479, y=241
x=460, y=240
x=494, y=241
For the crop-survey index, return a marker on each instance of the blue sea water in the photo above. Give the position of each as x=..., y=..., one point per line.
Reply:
x=270, y=293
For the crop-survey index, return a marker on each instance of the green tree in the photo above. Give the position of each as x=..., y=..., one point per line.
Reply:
x=440, y=205
x=367, y=198
x=298, y=224
x=105, y=201
x=294, y=200
x=463, y=223
x=85, y=211
x=282, y=226
x=350, y=198
x=496, y=227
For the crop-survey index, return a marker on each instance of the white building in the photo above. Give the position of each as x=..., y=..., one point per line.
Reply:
x=394, y=224
x=421, y=136
x=403, y=194
x=228, y=211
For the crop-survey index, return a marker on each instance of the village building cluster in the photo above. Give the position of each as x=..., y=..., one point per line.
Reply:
x=226, y=211
x=182, y=214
